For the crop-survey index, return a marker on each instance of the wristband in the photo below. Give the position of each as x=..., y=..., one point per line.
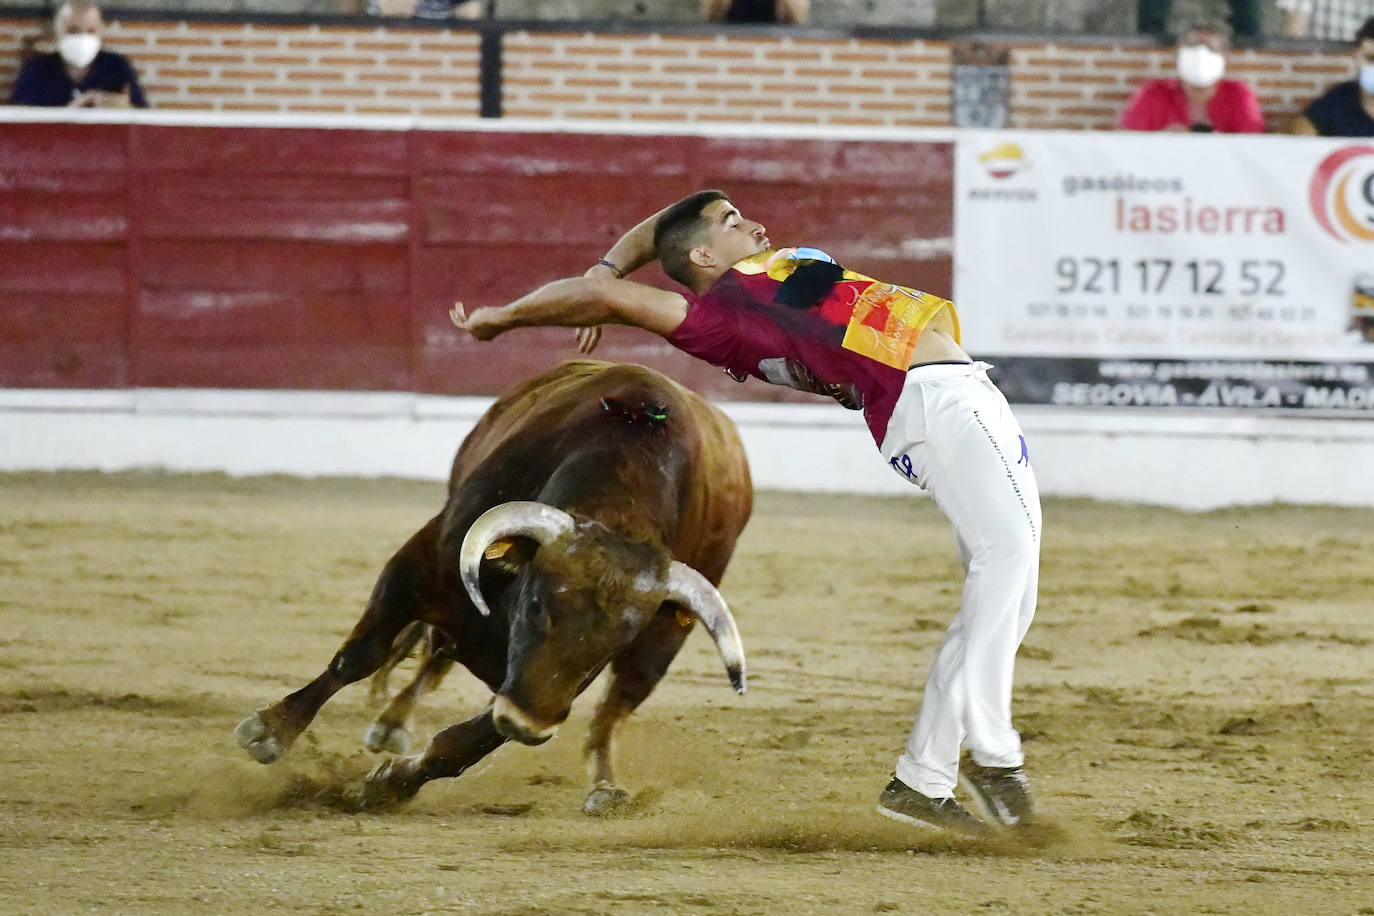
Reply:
x=619, y=274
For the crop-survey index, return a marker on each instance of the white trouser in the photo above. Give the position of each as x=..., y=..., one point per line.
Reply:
x=953, y=434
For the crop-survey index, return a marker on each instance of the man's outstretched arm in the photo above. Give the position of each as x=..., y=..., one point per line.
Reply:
x=579, y=302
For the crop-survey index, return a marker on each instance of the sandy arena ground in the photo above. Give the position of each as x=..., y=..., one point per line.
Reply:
x=1195, y=693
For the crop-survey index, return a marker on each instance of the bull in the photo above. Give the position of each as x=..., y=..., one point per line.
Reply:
x=590, y=515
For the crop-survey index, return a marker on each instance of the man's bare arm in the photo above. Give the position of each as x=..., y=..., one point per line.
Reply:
x=579, y=302
x=714, y=10
x=1297, y=23
x=635, y=248
x=796, y=12
x=631, y=251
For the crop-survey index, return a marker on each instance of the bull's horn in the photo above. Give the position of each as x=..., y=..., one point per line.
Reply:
x=699, y=598
x=531, y=520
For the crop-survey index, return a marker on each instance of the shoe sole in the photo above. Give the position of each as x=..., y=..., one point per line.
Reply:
x=927, y=825
x=981, y=803
x=908, y=819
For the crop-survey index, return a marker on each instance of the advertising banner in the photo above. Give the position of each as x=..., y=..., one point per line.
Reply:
x=1169, y=270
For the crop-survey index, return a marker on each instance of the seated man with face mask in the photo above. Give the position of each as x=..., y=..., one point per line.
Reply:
x=79, y=74
x=1199, y=99
x=1346, y=109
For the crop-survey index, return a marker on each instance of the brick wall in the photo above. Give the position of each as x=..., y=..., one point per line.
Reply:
x=718, y=78
x=695, y=76
x=295, y=68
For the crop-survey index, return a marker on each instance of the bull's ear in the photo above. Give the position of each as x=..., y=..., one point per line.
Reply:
x=509, y=554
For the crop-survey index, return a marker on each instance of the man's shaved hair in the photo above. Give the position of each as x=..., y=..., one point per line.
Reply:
x=679, y=230
x=71, y=8
x=1207, y=27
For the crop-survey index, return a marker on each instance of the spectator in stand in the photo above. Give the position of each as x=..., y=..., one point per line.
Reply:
x=793, y=12
x=1152, y=17
x=1328, y=20
x=1199, y=99
x=445, y=9
x=428, y=9
x=1346, y=109
x=79, y=74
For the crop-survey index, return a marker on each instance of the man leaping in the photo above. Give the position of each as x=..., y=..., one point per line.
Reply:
x=795, y=317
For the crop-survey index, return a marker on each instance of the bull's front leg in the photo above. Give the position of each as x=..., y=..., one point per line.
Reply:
x=396, y=601
x=450, y=753
x=389, y=731
x=635, y=674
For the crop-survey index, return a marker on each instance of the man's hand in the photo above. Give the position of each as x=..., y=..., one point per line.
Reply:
x=792, y=374
x=588, y=338
x=479, y=324
x=846, y=395
x=98, y=98
x=123, y=99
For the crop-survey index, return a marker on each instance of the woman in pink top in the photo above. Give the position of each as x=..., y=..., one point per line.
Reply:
x=1199, y=100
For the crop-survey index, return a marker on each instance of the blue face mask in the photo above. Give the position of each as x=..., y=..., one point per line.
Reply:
x=1367, y=78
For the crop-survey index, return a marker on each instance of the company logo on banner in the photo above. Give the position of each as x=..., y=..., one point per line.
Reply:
x=1342, y=194
x=1169, y=271
x=1003, y=160
x=998, y=163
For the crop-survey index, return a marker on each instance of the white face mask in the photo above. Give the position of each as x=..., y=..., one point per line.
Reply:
x=1199, y=65
x=1367, y=78
x=78, y=50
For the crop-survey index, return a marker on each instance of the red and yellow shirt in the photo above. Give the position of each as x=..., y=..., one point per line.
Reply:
x=798, y=304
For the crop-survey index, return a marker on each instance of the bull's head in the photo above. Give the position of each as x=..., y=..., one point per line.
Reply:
x=586, y=593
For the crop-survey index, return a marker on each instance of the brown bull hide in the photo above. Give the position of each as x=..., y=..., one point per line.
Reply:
x=651, y=473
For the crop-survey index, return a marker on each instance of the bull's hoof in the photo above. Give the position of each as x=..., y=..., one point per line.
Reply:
x=381, y=791
x=256, y=737
x=606, y=800
x=392, y=738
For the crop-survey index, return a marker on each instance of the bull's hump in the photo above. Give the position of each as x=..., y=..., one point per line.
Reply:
x=568, y=400
x=623, y=392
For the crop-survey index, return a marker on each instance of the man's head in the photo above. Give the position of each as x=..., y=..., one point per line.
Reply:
x=78, y=28
x=702, y=236
x=1364, y=55
x=78, y=18
x=1202, y=51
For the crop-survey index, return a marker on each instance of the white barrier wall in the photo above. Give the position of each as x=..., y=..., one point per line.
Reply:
x=1194, y=462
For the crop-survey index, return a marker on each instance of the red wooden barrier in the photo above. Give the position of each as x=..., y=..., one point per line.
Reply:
x=153, y=256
